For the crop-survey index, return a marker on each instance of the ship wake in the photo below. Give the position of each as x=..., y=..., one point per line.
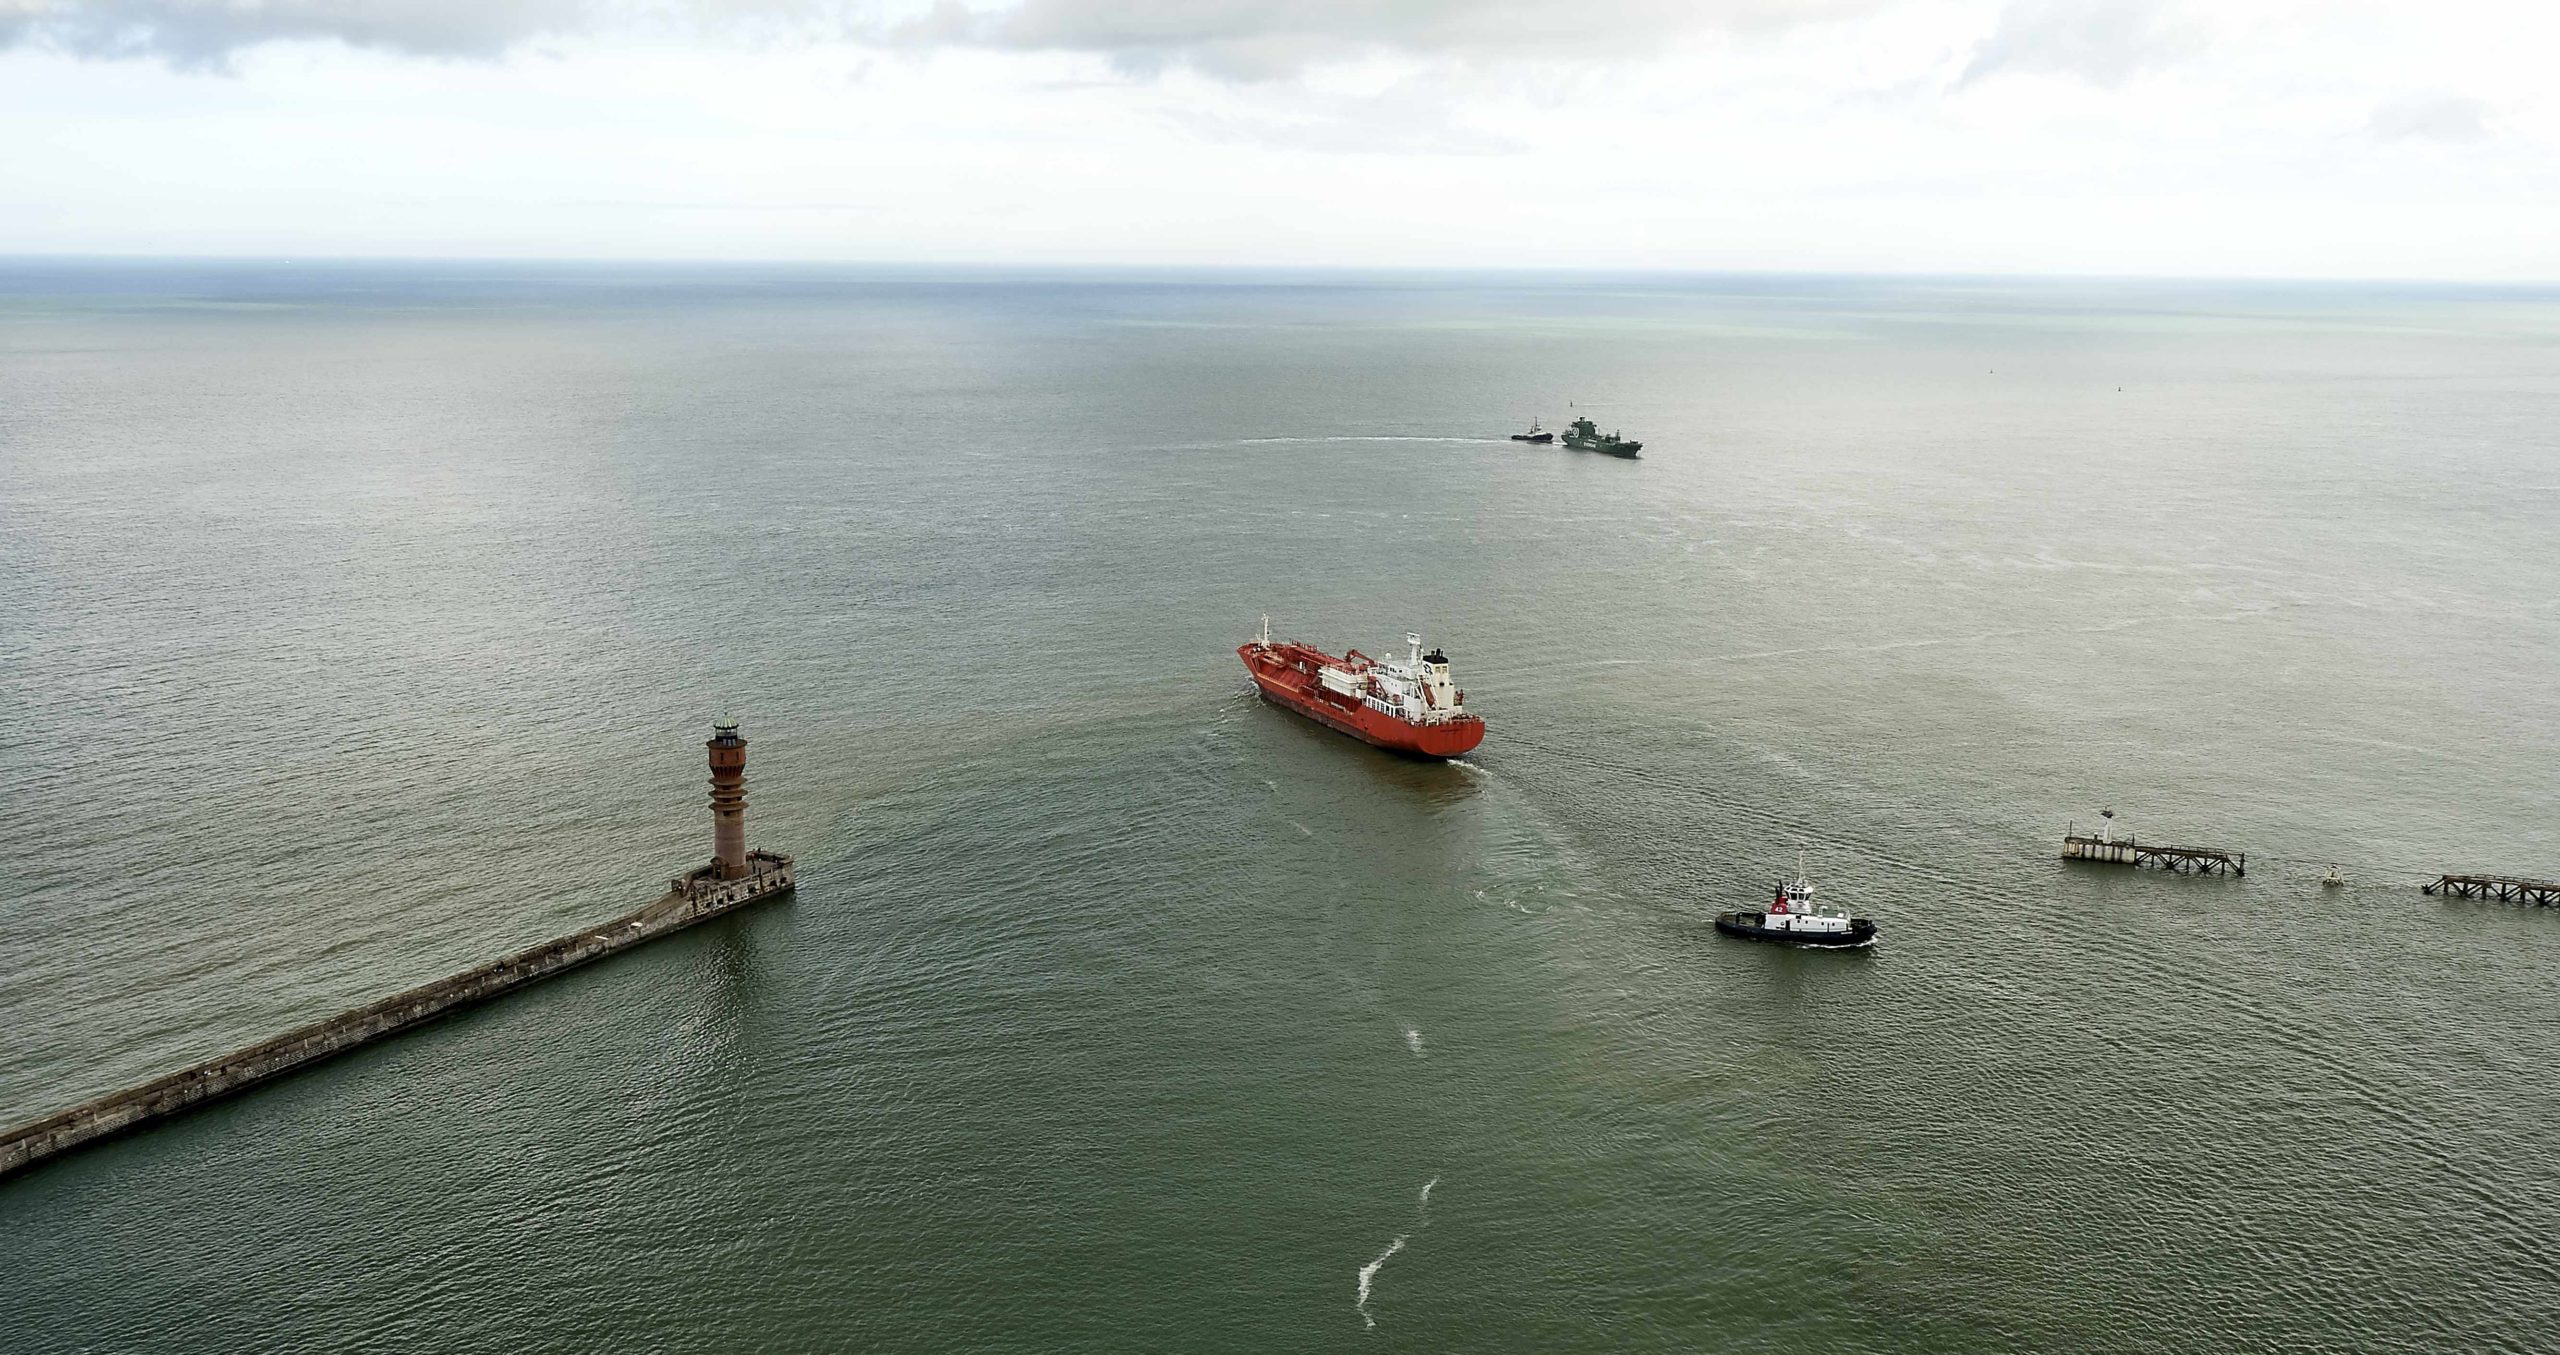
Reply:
x=1367, y=437
x=1369, y=1272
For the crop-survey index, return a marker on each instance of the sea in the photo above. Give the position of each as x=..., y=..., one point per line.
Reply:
x=361, y=621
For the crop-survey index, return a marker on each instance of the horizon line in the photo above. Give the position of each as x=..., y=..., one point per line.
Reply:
x=1092, y=266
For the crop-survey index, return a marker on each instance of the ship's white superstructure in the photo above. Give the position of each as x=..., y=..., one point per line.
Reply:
x=1794, y=911
x=1416, y=689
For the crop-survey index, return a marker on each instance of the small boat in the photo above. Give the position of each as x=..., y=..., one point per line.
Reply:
x=2333, y=880
x=1793, y=919
x=1535, y=434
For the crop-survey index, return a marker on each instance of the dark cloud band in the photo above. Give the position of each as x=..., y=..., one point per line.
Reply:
x=204, y=33
x=1244, y=39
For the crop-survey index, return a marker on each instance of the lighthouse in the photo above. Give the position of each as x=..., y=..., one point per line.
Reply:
x=734, y=874
x=728, y=800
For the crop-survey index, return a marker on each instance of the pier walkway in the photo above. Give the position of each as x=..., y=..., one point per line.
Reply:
x=2125, y=851
x=2504, y=888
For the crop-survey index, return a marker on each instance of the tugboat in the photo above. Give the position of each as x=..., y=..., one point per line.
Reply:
x=1793, y=919
x=1535, y=434
x=1585, y=436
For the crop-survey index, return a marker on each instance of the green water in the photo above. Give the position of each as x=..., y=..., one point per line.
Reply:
x=362, y=622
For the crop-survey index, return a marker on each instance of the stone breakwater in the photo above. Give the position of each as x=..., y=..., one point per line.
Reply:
x=688, y=900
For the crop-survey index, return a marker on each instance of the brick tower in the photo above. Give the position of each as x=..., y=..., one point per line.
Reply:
x=728, y=800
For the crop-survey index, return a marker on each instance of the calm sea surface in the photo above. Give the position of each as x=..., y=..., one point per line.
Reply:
x=358, y=623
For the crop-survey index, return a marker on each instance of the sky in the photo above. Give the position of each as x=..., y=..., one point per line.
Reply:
x=2236, y=138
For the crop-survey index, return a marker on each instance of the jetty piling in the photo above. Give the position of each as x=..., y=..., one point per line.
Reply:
x=2503, y=888
x=2105, y=848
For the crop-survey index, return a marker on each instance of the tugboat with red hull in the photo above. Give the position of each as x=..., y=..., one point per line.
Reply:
x=1406, y=705
x=1792, y=919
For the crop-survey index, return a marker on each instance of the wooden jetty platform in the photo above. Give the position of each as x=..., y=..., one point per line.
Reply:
x=2504, y=888
x=2125, y=851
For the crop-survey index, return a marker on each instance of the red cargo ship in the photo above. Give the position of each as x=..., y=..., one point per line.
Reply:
x=1406, y=705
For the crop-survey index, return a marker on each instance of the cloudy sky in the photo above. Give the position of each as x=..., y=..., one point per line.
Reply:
x=2215, y=137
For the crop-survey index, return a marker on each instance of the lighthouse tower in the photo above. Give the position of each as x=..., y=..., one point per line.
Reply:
x=728, y=800
x=734, y=874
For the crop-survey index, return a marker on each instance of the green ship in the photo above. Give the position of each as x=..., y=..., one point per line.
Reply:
x=1583, y=436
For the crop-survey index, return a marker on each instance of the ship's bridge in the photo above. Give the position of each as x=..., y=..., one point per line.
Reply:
x=1418, y=686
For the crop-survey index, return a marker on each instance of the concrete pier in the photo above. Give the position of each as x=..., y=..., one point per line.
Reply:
x=733, y=878
x=689, y=899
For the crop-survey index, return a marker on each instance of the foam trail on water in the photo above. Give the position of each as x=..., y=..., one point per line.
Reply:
x=1370, y=437
x=1426, y=1197
x=1367, y=1272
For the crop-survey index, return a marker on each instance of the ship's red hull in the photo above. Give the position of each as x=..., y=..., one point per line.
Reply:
x=1286, y=677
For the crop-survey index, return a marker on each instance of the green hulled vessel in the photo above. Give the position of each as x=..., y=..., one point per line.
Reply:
x=1586, y=437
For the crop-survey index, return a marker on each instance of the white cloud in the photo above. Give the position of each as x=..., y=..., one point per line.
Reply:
x=2441, y=118
x=2105, y=42
x=2279, y=138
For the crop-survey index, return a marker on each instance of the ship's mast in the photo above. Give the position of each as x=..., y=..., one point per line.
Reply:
x=1266, y=630
x=1797, y=894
